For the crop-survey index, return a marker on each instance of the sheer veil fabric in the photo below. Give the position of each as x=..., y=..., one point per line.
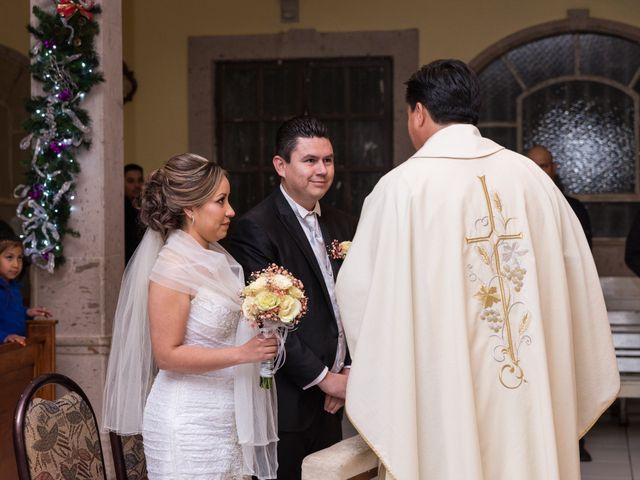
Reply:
x=181, y=264
x=131, y=368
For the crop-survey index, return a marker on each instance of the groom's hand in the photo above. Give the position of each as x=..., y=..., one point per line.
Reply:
x=335, y=385
x=332, y=404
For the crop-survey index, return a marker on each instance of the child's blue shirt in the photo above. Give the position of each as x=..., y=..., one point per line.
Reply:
x=13, y=313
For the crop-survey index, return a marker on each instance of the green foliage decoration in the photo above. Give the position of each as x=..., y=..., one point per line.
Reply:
x=65, y=63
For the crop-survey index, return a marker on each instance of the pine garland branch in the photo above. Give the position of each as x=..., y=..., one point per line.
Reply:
x=64, y=60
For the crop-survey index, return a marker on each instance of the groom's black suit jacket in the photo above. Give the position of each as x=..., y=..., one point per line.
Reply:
x=271, y=233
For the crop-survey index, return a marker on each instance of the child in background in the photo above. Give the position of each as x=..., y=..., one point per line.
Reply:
x=13, y=313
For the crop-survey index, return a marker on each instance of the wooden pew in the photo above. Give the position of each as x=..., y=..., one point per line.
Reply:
x=625, y=327
x=18, y=366
x=622, y=296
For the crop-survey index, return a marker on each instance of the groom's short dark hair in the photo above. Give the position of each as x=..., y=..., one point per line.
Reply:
x=295, y=128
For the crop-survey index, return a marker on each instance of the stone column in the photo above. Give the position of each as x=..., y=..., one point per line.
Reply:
x=82, y=293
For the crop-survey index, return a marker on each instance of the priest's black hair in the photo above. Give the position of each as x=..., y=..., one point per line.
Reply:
x=295, y=128
x=448, y=89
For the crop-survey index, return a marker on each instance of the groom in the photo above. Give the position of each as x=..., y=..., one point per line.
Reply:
x=292, y=229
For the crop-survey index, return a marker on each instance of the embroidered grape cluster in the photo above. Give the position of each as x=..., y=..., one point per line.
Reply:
x=515, y=276
x=492, y=317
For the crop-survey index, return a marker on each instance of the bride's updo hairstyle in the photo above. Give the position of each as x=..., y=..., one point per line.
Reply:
x=185, y=181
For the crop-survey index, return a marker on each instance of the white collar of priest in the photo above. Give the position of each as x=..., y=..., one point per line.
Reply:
x=298, y=209
x=459, y=140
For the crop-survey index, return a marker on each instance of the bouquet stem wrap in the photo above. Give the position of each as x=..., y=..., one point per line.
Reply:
x=273, y=302
x=268, y=368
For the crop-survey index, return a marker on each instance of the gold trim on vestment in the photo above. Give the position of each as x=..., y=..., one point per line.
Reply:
x=509, y=276
x=608, y=403
x=370, y=444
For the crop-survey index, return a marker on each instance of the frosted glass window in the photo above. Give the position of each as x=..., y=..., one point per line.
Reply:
x=578, y=95
x=589, y=128
x=499, y=91
x=607, y=56
x=559, y=59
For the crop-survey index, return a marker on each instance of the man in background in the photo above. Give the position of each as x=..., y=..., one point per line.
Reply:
x=632, y=248
x=133, y=229
x=543, y=158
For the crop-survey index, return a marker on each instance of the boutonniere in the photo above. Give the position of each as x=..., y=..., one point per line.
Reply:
x=338, y=250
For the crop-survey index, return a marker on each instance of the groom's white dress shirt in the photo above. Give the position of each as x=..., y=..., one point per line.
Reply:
x=308, y=220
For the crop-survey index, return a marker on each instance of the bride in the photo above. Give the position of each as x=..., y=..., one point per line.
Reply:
x=204, y=416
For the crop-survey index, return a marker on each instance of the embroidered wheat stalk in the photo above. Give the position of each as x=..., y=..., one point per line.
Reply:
x=483, y=254
x=496, y=200
x=524, y=324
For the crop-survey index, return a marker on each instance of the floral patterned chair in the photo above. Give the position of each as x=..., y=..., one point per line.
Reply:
x=128, y=457
x=57, y=439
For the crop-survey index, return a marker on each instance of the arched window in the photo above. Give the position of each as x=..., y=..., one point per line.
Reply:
x=574, y=87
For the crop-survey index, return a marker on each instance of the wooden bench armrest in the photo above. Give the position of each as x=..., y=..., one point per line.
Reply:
x=44, y=331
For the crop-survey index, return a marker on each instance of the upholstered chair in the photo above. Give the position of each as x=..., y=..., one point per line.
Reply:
x=57, y=439
x=128, y=457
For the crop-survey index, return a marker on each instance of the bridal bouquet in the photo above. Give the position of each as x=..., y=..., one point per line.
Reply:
x=274, y=302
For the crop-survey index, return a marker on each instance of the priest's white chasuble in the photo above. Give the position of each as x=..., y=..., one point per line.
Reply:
x=475, y=319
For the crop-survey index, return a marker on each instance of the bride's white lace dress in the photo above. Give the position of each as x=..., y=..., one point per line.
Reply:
x=189, y=426
x=191, y=423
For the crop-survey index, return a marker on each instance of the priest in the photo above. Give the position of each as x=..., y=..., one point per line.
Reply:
x=471, y=305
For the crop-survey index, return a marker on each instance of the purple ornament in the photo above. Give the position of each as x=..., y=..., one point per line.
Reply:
x=56, y=147
x=64, y=95
x=36, y=192
x=49, y=43
x=45, y=255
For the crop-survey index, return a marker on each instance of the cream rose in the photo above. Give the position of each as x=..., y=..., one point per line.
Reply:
x=344, y=247
x=295, y=292
x=289, y=309
x=266, y=300
x=281, y=282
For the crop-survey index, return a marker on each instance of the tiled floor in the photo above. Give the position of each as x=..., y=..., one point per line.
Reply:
x=615, y=449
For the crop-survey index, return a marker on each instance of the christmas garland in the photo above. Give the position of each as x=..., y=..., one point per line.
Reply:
x=63, y=59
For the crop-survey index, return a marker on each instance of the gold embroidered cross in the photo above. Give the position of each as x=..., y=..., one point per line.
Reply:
x=494, y=239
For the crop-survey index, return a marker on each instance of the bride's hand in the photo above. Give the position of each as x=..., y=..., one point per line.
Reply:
x=259, y=348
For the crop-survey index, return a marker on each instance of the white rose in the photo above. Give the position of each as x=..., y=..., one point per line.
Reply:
x=281, y=282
